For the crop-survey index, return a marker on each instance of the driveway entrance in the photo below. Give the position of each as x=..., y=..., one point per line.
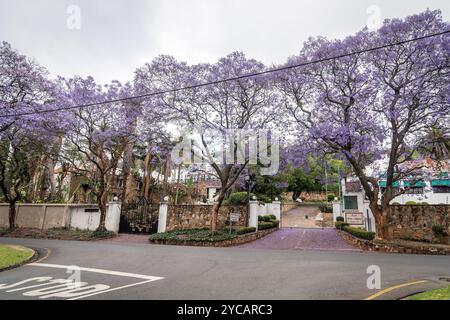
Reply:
x=301, y=217
x=326, y=239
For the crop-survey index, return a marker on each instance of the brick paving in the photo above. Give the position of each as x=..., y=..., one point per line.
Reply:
x=302, y=239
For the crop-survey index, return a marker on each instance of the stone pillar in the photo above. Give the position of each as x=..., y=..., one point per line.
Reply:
x=253, y=214
x=112, y=221
x=162, y=218
x=337, y=210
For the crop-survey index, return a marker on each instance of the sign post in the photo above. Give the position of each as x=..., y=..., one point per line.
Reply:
x=234, y=217
x=355, y=218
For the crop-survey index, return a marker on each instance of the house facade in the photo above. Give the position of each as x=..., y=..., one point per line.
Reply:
x=431, y=186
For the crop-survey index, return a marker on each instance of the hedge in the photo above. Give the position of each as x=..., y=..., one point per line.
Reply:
x=340, y=224
x=267, y=225
x=359, y=233
x=245, y=230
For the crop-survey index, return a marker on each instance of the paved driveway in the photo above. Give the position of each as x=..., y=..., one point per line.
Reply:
x=302, y=239
x=300, y=217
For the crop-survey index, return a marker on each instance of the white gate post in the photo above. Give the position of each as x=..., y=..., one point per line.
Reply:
x=253, y=214
x=337, y=210
x=112, y=221
x=162, y=218
x=276, y=209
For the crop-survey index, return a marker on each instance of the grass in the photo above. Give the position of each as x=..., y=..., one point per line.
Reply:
x=11, y=255
x=438, y=294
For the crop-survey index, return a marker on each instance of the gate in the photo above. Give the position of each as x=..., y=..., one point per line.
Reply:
x=139, y=216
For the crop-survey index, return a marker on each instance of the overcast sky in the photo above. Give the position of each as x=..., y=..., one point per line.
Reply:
x=114, y=37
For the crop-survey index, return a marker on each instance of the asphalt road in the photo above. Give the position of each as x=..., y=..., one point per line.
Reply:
x=143, y=271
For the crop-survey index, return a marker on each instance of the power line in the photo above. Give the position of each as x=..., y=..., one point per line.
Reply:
x=249, y=75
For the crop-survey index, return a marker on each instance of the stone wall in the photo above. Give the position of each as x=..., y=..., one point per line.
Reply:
x=395, y=247
x=415, y=221
x=199, y=216
x=286, y=206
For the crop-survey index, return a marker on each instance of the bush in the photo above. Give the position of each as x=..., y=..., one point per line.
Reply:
x=265, y=225
x=326, y=208
x=245, y=230
x=438, y=230
x=268, y=218
x=330, y=197
x=395, y=203
x=424, y=203
x=360, y=233
x=237, y=198
x=341, y=219
x=260, y=218
x=340, y=224
x=410, y=202
x=202, y=234
x=263, y=198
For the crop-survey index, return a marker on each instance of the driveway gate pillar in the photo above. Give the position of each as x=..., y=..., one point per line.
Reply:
x=162, y=219
x=253, y=214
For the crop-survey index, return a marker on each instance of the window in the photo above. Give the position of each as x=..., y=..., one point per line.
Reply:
x=350, y=202
x=441, y=189
x=415, y=190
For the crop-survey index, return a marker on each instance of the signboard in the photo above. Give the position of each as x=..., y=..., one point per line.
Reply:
x=354, y=218
x=234, y=217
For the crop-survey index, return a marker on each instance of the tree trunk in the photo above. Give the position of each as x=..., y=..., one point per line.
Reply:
x=12, y=215
x=103, y=195
x=216, y=208
x=381, y=216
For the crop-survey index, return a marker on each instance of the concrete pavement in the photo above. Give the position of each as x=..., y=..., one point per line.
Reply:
x=300, y=217
x=145, y=271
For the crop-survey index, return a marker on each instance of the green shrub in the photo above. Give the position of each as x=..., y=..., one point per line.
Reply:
x=245, y=230
x=326, y=208
x=268, y=218
x=265, y=225
x=360, y=233
x=341, y=219
x=260, y=218
x=424, y=203
x=395, y=203
x=410, y=202
x=340, y=224
x=330, y=197
x=275, y=223
x=263, y=198
x=203, y=234
x=237, y=198
x=272, y=217
x=438, y=230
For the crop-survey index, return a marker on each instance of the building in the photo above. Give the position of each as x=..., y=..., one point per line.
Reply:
x=430, y=185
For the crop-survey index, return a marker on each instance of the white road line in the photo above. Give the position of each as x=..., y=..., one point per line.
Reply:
x=113, y=289
x=110, y=272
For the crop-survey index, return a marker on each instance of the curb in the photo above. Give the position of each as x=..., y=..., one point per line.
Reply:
x=404, y=290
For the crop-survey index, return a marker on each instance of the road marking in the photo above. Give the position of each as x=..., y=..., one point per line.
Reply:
x=103, y=271
x=114, y=289
x=380, y=293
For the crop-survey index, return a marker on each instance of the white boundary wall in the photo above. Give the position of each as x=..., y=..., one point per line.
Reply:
x=46, y=216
